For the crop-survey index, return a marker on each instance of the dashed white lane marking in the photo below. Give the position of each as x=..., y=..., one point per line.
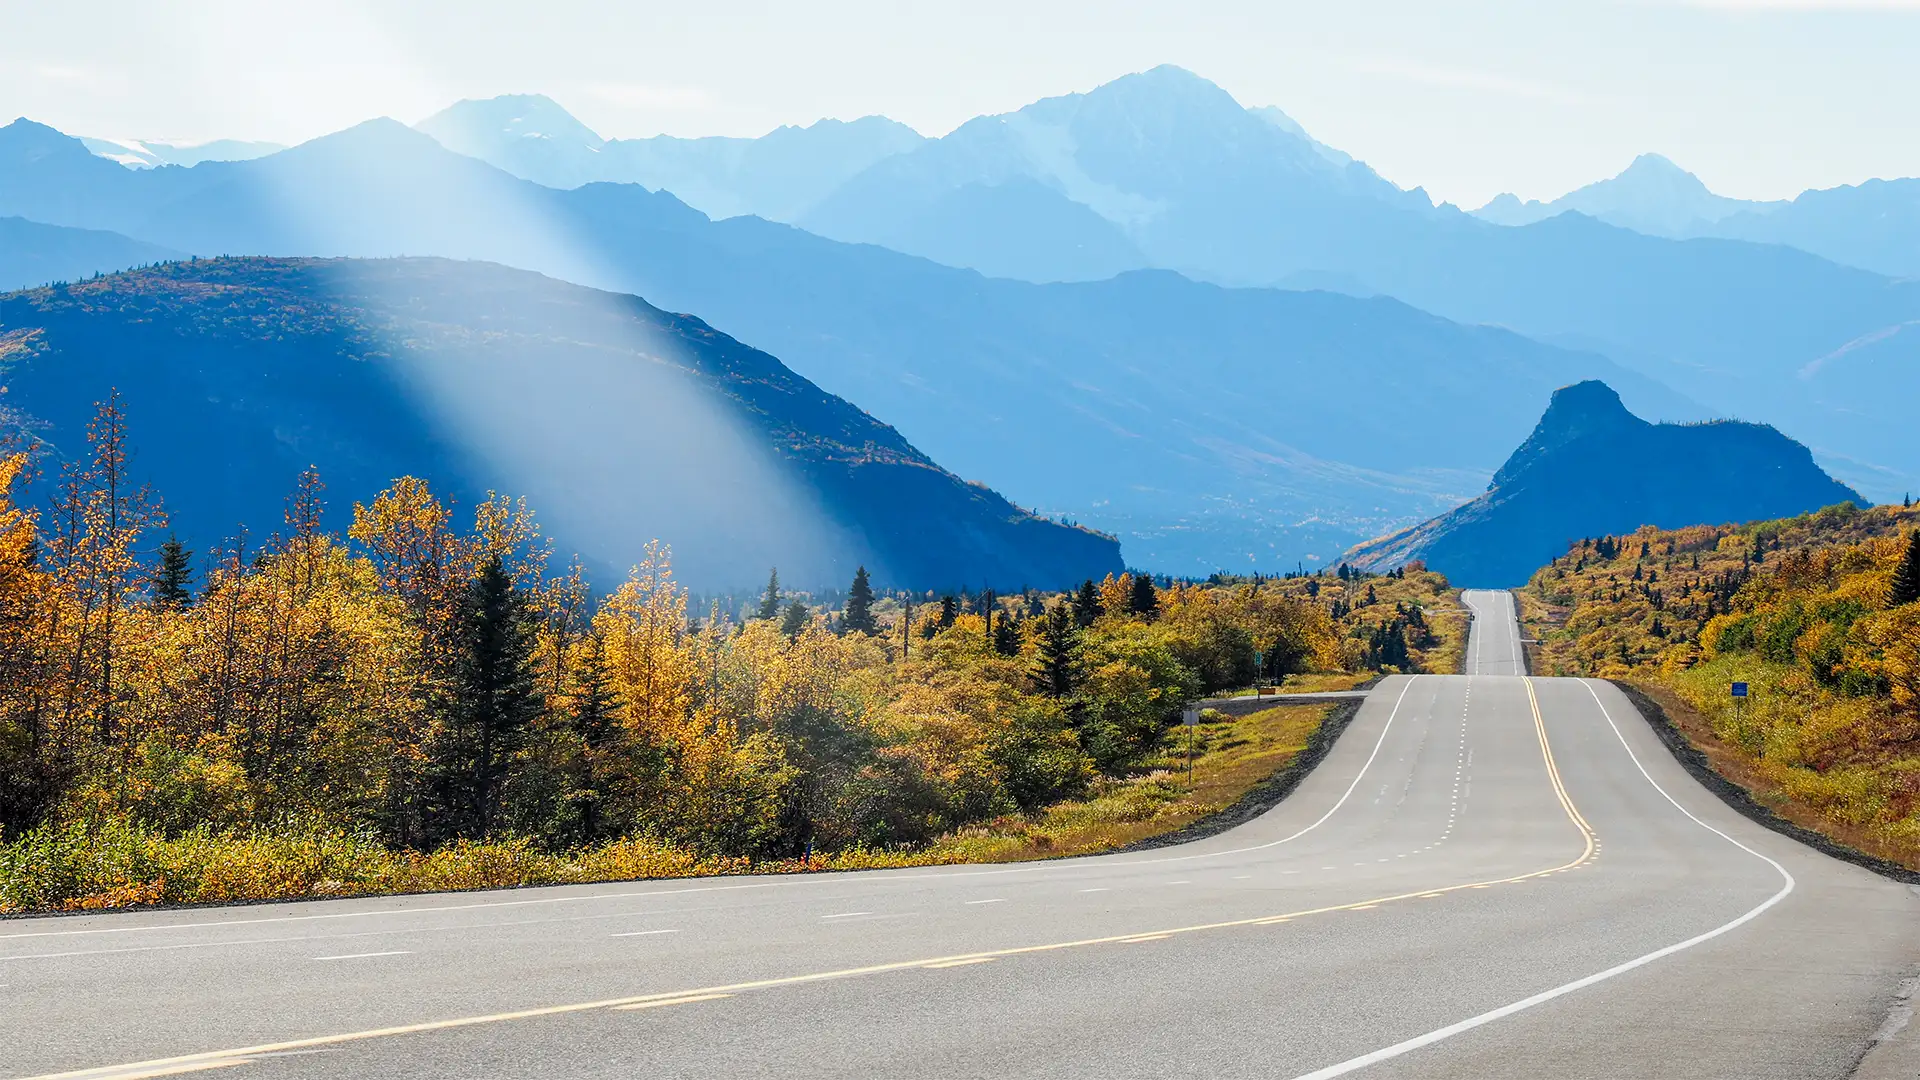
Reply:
x=366, y=955
x=846, y=914
x=645, y=933
x=995, y=900
x=1101, y=888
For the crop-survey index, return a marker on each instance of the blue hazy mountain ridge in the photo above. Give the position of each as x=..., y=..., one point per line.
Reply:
x=144, y=154
x=1219, y=192
x=1652, y=195
x=1591, y=468
x=35, y=254
x=1874, y=225
x=1211, y=427
x=1171, y=161
x=777, y=176
x=619, y=422
x=1176, y=170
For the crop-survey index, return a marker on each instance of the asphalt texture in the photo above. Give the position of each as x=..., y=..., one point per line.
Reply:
x=1466, y=887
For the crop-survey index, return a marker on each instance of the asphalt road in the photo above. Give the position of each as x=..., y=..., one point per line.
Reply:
x=1488, y=877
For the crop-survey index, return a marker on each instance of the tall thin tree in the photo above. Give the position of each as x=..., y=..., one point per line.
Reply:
x=859, y=614
x=770, y=600
x=492, y=700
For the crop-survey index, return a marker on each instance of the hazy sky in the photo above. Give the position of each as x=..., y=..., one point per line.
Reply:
x=1762, y=98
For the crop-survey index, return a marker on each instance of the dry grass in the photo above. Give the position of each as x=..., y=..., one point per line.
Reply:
x=1778, y=787
x=76, y=867
x=1229, y=759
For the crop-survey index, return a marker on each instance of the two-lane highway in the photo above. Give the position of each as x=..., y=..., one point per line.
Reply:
x=1489, y=876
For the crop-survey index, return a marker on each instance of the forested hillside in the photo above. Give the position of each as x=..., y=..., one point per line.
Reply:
x=621, y=421
x=421, y=702
x=1817, y=614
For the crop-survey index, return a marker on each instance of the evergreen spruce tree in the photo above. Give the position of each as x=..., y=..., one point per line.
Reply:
x=1056, y=668
x=595, y=721
x=173, y=580
x=1006, y=636
x=1143, y=600
x=595, y=703
x=1906, y=579
x=949, y=611
x=489, y=703
x=770, y=600
x=795, y=619
x=859, y=612
x=1086, y=603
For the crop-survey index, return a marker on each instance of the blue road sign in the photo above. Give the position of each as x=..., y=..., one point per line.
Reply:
x=1739, y=689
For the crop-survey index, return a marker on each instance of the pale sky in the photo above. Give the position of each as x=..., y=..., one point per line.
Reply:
x=1761, y=98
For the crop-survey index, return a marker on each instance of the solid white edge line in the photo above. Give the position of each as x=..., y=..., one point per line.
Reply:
x=1431, y=1037
x=1344, y=796
x=950, y=875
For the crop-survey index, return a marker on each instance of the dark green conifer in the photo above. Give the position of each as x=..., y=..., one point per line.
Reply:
x=1056, y=668
x=1086, y=603
x=489, y=703
x=949, y=611
x=1906, y=579
x=859, y=615
x=173, y=581
x=795, y=619
x=770, y=600
x=1006, y=636
x=1143, y=600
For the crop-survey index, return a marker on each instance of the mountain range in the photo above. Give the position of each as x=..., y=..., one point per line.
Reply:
x=153, y=154
x=1874, y=225
x=1210, y=415
x=619, y=422
x=778, y=176
x=1164, y=169
x=1210, y=427
x=1652, y=196
x=1591, y=468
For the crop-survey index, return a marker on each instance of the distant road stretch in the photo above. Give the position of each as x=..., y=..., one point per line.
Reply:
x=1489, y=876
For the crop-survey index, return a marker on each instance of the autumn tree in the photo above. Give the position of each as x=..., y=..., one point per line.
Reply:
x=859, y=613
x=28, y=777
x=99, y=516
